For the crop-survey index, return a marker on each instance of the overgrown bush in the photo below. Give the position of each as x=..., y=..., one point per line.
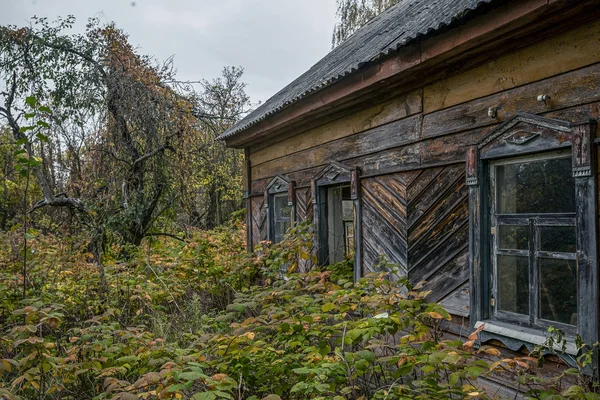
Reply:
x=206, y=320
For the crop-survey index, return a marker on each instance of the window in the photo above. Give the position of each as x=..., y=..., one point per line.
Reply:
x=280, y=209
x=336, y=202
x=532, y=231
x=532, y=226
x=281, y=216
x=340, y=224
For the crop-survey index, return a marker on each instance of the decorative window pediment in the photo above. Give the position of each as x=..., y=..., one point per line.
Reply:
x=532, y=220
x=279, y=184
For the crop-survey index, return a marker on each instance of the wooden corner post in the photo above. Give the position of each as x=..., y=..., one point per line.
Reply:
x=476, y=278
x=355, y=196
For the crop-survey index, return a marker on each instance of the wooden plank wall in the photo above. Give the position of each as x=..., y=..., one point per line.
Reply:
x=411, y=152
x=259, y=220
x=304, y=212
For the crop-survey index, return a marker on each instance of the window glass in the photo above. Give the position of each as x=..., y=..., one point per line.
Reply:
x=340, y=223
x=281, y=216
x=535, y=187
x=513, y=237
x=513, y=284
x=558, y=238
x=543, y=192
x=558, y=290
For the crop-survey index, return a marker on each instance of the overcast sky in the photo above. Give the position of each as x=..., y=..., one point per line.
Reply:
x=274, y=40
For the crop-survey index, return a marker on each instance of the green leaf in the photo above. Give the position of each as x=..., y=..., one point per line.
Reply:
x=29, y=115
x=45, y=109
x=301, y=371
x=31, y=101
x=43, y=124
x=191, y=376
x=205, y=396
x=126, y=360
x=42, y=138
x=366, y=355
x=474, y=372
x=24, y=129
x=328, y=307
x=236, y=307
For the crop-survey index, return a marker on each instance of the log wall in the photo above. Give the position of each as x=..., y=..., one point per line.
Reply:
x=411, y=151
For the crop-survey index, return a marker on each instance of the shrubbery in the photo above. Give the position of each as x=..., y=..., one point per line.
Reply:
x=205, y=320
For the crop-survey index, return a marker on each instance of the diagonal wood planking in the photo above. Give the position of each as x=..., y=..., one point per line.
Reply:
x=304, y=206
x=384, y=218
x=418, y=219
x=438, y=230
x=304, y=212
x=259, y=220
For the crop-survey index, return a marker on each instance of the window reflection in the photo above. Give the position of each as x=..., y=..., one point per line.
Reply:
x=281, y=216
x=535, y=241
x=543, y=186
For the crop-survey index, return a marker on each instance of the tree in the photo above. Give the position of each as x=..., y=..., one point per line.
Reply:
x=353, y=14
x=116, y=129
x=214, y=187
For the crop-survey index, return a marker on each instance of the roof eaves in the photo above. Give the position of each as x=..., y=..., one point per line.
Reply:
x=389, y=50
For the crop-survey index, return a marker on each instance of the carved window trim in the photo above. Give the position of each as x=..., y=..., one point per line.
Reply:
x=528, y=134
x=279, y=185
x=335, y=174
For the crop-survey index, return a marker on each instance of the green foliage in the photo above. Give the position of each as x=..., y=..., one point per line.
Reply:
x=206, y=320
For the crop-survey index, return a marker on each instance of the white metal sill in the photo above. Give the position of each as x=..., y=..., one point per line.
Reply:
x=526, y=335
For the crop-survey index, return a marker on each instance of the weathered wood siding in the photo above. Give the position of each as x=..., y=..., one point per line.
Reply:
x=259, y=219
x=384, y=217
x=411, y=153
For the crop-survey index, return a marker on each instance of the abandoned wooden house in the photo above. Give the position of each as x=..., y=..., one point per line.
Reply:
x=456, y=138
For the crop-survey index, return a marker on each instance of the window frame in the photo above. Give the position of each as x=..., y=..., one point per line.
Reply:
x=336, y=174
x=278, y=186
x=527, y=135
x=533, y=222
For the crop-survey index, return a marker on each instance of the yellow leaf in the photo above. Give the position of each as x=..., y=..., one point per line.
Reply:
x=219, y=377
x=492, y=351
x=435, y=315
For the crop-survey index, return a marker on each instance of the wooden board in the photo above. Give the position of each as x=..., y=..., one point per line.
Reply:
x=369, y=118
x=372, y=141
x=259, y=217
x=304, y=205
x=566, y=90
x=445, y=130
x=384, y=217
x=418, y=220
x=558, y=54
x=457, y=302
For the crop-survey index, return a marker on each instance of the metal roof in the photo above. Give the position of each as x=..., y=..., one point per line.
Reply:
x=382, y=36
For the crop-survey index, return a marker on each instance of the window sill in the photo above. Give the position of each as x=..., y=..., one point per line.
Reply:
x=515, y=337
